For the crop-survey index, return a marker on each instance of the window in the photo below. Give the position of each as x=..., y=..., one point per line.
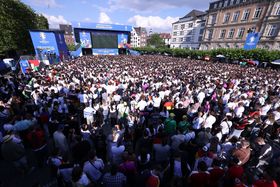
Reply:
x=231, y=33
x=200, y=38
x=201, y=31
x=225, y=3
x=181, y=33
x=231, y=2
x=188, y=39
x=190, y=25
x=258, y=12
x=190, y=32
x=277, y=12
x=226, y=17
x=174, y=40
x=237, y=1
x=240, y=32
x=181, y=39
x=223, y=33
x=210, y=33
x=246, y=15
x=271, y=30
x=202, y=24
x=175, y=27
x=174, y=33
x=221, y=4
x=215, y=5
x=183, y=26
x=213, y=18
x=235, y=16
x=253, y=29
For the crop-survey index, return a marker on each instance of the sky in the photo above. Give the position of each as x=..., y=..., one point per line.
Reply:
x=157, y=15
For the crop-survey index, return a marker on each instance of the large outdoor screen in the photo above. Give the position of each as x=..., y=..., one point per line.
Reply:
x=101, y=41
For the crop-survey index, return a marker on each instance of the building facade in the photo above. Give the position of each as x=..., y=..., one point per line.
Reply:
x=166, y=38
x=143, y=35
x=135, y=39
x=188, y=31
x=229, y=22
x=270, y=31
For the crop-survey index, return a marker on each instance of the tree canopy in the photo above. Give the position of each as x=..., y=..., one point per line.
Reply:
x=156, y=41
x=16, y=19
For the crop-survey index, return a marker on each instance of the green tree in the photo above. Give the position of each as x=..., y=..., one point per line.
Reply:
x=156, y=41
x=16, y=19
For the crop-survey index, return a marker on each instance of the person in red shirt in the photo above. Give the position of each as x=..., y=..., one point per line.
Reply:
x=268, y=179
x=37, y=141
x=235, y=172
x=153, y=180
x=216, y=173
x=200, y=178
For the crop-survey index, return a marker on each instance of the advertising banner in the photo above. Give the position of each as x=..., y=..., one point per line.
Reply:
x=105, y=51
x=122, y=40
x=102, y=26
x=44, y=42
x=252, y=41
x=85, y=40
x=23, y=66
x=61, y=44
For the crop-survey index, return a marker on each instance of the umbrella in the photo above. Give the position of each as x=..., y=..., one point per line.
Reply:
x=276, y=62
x=220, y=56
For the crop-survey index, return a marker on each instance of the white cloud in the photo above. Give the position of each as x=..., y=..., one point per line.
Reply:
x=156, y=5
x=54, y=21
x=154, y=22
x=87, y=19
x=45, y=3
x=104, y=18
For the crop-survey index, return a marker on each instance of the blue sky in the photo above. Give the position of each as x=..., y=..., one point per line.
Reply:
x=155, y=14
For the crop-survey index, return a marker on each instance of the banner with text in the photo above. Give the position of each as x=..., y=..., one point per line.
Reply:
x=252, y=41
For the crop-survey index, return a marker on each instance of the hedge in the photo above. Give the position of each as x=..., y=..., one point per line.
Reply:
x=261, y=55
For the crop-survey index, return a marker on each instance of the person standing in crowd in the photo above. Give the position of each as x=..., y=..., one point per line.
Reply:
x=114, y=178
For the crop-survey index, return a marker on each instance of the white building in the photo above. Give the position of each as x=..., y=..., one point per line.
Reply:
x=188, y=31
x=135, y=39
x=166, y=38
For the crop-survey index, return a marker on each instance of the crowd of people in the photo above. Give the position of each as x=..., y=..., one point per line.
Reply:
x=144, y=121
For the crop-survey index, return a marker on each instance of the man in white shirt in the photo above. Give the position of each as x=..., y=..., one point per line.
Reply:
x=210, y=120
x=89, y=114
x=201, y=96
x=157, y=101
x=142, y=104
x=239, y=110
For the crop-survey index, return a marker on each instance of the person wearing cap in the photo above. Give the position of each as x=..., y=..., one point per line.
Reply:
x=14, y=152
x=170, y=125
x=184, y=124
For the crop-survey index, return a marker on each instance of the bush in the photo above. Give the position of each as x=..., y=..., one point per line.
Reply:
x=261, y=55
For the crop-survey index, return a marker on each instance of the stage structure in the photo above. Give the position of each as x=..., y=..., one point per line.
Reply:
x=101, y=39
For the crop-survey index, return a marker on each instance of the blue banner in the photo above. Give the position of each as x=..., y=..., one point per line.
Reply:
x=44, y=42
x=102, y=26
x=85, y=39
x=61, y=44
x=105, y=51
x=122, y=40
x=252, y=41
x=23, y=65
